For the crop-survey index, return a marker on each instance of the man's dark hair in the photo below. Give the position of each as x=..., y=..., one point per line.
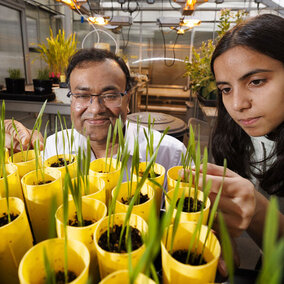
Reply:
x=88, y=55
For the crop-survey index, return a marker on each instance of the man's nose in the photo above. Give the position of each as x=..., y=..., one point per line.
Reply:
x=95, y=104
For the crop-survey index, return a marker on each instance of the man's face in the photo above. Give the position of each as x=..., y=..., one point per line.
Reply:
x=94, y=118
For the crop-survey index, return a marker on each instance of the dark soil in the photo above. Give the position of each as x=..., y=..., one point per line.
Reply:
x=190, y=207
x=4, y=218
x=140, y=174
x=44, y=182
x=142, y=199
x=180, y=255
x=74, y=222
x=60, y=277
x=61, y=163
x=136, y=240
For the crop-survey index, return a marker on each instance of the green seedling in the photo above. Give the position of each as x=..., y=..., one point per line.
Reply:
x=227, y=250
x=50, y=273
x=2, y=159
x=65, y=222
x=273, y=247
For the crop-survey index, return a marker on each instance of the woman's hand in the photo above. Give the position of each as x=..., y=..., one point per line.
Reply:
x=237, y=201
x=24, y=136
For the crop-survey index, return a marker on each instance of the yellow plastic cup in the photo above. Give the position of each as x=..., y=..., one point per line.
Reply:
x=16, y=239
x=92, y=210
x=189, y=216
x=97, y=169
x=32, y=271
x=23, y=166
x=14, y=183
x=142, y=210
x=109, y=261
x=72, y=167
x=160, y=170
x=122, y=276
x=39, y=200
x=172, y=177
x=177, y=272
x=96, y=188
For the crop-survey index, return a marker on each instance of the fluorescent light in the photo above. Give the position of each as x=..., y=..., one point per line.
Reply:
x=157, y=59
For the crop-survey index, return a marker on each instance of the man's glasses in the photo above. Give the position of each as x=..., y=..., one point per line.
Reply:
x=111, y=99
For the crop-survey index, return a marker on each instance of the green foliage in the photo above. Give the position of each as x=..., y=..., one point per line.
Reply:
x=57, y=51
x=201, y=77
x=2, y=159
x=50, y=273
x=14, y=73
x=43, y=74
x=273, y=248
x=227, y=250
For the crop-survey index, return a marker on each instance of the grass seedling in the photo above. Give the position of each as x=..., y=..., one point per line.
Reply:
x=273, y=248
x=227, y=250
x=19, y=139
x=49, y=272
x=2, y=159
x=86, y=167
x=67, y=181
x=36, y=125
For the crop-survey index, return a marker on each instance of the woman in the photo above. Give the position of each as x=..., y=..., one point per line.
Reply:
x=248, y=65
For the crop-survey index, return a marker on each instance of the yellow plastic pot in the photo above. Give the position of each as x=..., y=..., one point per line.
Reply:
x=39, y=200
x=177, y=272
x=16, y=239
x=72, y=167
x=14, y=183
x=109, y=261
x=122, y=276
x=97, y=169
x=32, y=271
x=92, y=210
x=23, y=166
x=189, y=216
x=96, y=188
x=160, y=170
x=172, y=177
x=142, y=210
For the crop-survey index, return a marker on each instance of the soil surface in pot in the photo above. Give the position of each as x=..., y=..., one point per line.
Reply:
x=4, y=218
x=181, y=255
x=60, y=279
x=189, y=207
x=141, y=173
x=42, y=182
x=61, y=163
x=74, y=222
x=142, y=199
x=136, y=240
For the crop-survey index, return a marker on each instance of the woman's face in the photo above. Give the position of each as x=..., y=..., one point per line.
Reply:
x=252, y=87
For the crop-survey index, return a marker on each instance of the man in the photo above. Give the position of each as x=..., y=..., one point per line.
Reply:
x=100, y=89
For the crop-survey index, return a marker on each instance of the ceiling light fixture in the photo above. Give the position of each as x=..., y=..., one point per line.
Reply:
x=180, y=30
x=99, y=20
x=73, y=3
x=189, y=22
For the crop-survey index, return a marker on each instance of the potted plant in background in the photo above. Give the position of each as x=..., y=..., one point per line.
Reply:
x=15, y=84
x=202, y=81
x=56, y=53
x=42, y=84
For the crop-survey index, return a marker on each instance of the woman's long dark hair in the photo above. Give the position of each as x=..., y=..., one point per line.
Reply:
x=264, y=34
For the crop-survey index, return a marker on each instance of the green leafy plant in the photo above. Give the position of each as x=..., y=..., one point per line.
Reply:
x=273, y=248
x=57, y=51
x=43, y=74
x=14, y=73
x=2, y=159
x=198, y=69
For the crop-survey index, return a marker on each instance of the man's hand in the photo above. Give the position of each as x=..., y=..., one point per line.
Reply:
x=23, y=136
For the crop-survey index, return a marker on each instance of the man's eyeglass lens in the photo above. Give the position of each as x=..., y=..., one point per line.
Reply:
x=109, y=100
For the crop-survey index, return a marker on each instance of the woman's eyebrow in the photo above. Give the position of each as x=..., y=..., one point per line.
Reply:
x=255, y=71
